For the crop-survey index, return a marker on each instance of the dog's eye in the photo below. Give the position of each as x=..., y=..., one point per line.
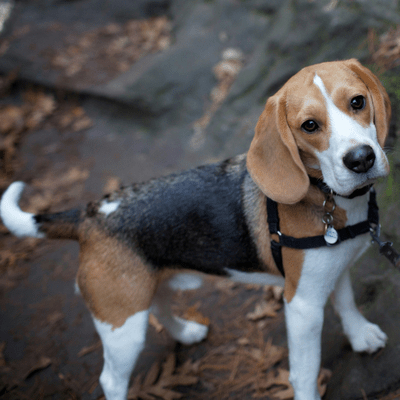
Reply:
x=358, y=102
x=310, y=126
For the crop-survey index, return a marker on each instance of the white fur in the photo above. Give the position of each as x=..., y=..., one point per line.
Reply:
x=346, y=133
x=76, y=289
x=185, y=282
x=325, y=270
x=184, y=331
x=121, y=349
x=108, y=208
x=20, y=223
x=257, y=278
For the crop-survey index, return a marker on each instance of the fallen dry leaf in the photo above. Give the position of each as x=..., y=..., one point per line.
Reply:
x=243, y=341
x=38, y=106
x=193, y=314
x=73, y=118
x=226, y=72
x=273, y=292
x=43, y=363
x=280, y=379
x=285, y=392
x=55, y=317
x=154, y=322
x=323, y=379
x=264, y=309
x=225, y=285
x=11, y=118
x=90, y=349
x=81, y=124
x=160, y=380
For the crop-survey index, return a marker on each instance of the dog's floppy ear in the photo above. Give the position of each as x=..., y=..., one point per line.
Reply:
x=273, y=159
x=380, y=98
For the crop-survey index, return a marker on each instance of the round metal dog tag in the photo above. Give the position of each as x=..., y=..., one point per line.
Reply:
x=331, y=236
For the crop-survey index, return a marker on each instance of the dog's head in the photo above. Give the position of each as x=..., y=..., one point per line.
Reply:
x=329, y=121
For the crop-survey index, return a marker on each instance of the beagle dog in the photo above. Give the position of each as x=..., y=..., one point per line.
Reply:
x=327, y=124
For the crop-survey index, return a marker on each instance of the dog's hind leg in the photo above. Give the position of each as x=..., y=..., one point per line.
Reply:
x=184, y=331
x=118, y=288
x=121, y=349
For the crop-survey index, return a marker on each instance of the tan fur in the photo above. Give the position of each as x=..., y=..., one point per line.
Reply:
x=61, y=229
x=113, y=280
x=256, y=214
x=381, y=102
x=301, y=220
x=306, y=102
x=273, y=152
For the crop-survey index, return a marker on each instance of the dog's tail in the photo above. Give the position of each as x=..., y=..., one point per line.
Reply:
x=62, y=225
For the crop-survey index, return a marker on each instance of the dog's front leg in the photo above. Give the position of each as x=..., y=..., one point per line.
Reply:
x=304, y=325
x=362, y=334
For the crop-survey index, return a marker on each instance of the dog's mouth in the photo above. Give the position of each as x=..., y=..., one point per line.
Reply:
x=360, y=187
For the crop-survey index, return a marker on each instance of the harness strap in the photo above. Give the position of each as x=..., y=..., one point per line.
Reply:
x=273, y=223
x=311, y=242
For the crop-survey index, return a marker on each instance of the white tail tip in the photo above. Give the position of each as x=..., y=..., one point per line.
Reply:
x=18, y=222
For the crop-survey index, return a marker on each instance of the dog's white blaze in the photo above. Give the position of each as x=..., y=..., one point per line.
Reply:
x=108, y=208
x=256, y=278
x=121, y=349
x=20, y=223
x=185, y=282
x=347, y=133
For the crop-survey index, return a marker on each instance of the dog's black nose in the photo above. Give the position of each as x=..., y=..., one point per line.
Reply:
x=360, y=159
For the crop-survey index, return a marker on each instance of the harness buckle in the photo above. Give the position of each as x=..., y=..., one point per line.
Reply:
x=375, y=231
x=331, y=235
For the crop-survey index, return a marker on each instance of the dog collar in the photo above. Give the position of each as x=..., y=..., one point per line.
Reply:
x=348, y=232
x=321, y=185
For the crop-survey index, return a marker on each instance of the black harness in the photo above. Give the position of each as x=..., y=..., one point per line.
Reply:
x=348, y=232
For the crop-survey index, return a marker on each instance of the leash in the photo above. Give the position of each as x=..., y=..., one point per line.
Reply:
x=332, y=237
x=385, y=248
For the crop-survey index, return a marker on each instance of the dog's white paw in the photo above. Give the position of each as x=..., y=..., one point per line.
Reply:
x=367, y=337
x=190, y=332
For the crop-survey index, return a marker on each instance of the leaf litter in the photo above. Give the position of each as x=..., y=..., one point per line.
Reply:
x=159, y=380
x=35, y=110
x=100, y=54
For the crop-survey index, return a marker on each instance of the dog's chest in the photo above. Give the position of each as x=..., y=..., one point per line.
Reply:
x=322, y=266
